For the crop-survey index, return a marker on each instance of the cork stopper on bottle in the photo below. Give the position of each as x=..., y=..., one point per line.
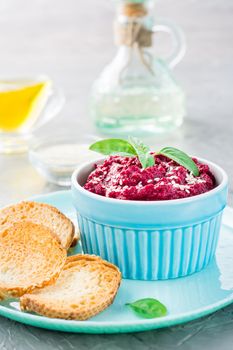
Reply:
x=130, y=9
x=132, y=30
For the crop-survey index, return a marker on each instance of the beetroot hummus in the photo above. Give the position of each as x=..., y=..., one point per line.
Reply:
x=123, y=178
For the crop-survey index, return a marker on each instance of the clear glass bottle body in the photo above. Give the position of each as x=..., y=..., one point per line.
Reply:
x=136, y=93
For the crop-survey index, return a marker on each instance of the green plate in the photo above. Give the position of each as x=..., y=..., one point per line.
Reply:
x=186, y=298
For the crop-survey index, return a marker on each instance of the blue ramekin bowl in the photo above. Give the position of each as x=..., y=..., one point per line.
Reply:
x=151, y=240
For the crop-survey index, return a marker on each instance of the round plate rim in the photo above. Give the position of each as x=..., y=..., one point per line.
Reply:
x=101, y=327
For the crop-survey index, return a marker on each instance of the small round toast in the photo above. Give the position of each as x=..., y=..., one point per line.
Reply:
x=30, y=256
x=86, y=286
x=39, y=213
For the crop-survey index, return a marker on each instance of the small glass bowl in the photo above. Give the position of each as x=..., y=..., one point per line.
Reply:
x=56, y=158
x=18, y=141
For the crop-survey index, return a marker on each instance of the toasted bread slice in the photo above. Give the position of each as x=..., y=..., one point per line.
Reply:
x=85, y=287
x=30, y=256
x=75, y=239
x=39, y=213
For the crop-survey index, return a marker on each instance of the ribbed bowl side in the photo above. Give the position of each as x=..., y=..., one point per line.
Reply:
x=153, y=254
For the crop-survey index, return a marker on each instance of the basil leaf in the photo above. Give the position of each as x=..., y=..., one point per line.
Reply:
x=143, y=152
x=114, y=146
x=180, y=158
x=148, y=308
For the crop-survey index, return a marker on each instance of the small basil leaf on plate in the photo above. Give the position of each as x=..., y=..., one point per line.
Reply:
x=148, y=308
x=114, y=146
x=143, y=152
x=181, y=158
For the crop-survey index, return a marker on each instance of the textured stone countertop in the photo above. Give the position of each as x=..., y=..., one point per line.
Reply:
x=71, y=41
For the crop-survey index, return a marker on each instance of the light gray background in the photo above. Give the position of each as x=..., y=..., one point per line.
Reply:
x=71, y=41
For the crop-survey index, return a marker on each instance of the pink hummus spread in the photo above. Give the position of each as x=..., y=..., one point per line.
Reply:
x=123, y=178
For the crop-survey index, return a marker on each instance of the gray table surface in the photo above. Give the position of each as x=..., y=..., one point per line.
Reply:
x=71, y=41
